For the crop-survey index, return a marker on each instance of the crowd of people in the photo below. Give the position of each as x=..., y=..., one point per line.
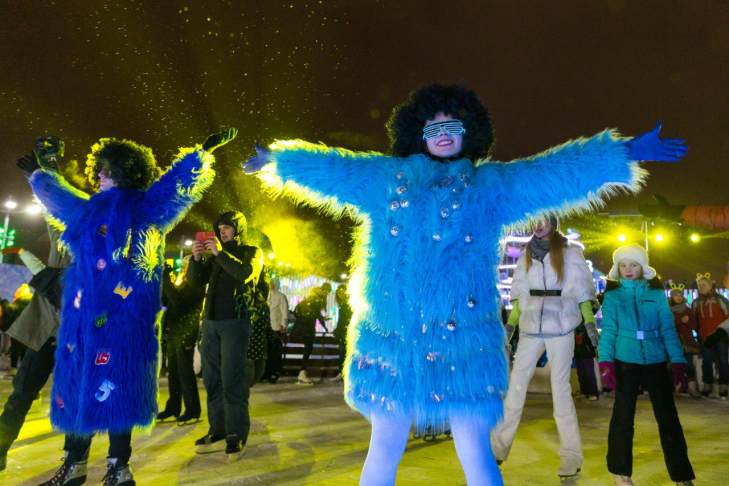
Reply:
x=425, y=347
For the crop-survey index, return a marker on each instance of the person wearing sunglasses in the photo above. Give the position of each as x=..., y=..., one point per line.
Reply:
x=425, y=347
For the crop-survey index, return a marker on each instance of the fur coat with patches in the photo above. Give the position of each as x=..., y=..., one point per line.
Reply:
x=105, y=376
x=426, y=339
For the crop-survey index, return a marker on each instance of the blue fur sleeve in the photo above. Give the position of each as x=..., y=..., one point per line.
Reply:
x=61, y=199
x=575, y=176
x=328, y=178
x=182, y=185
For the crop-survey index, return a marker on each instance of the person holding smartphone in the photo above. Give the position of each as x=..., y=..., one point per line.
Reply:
x=226, y=265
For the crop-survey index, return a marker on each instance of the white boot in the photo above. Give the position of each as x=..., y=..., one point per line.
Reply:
x=304, y=378
x=622, y=480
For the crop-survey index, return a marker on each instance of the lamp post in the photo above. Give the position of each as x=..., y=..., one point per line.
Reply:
x=11, y=207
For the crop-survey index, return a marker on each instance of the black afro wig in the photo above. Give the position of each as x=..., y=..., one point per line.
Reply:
x=405, y=126
x=129, y=164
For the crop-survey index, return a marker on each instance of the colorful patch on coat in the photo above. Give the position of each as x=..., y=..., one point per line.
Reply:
x=123, y=291
x=70, y=347
x=101, y=320
x=102, y=358
x=104, y=391
x=102, y=230
x=77, y=299
x=100, y=264
x=59, y=401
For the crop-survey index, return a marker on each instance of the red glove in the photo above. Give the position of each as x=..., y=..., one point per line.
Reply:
x=607, y=374
x=680, y=378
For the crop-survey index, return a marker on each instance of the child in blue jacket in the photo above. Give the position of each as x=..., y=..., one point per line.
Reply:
x=638, y=337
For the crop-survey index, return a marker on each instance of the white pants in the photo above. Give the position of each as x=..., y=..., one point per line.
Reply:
x=560, y=350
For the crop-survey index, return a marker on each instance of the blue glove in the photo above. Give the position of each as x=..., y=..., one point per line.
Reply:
x=650, y=147
x=258, y=161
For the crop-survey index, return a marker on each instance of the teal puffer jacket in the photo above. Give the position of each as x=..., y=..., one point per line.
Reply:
x=637, y=325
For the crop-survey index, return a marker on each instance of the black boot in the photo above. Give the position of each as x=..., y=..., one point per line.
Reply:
x=118, y=474
x=188, y=418
x=164, y=415
x=69, y=474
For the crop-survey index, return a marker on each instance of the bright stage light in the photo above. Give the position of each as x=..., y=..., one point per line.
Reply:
x=659, y=237
x=271, y=255
x=10, y=204
x=695, y=238
x=33, y=209
x=622, y=237
x=188, y=242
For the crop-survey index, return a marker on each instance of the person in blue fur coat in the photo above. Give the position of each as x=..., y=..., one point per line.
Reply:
x=638, y=337
x=426, y=344
x=105, y=377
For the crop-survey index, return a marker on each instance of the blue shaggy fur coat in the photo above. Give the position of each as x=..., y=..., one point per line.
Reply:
x=426, y=341
x=105, y=375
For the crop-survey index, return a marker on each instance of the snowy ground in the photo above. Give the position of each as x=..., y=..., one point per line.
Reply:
x=307, y=435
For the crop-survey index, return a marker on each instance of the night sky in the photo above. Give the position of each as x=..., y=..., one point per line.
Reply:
x=167, y=73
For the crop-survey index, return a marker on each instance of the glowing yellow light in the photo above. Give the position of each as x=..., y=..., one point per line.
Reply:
x=271, y=255
x=622, y=238
x=695, y=238
x=279, y=264
x=659, y=237
x=343, y=276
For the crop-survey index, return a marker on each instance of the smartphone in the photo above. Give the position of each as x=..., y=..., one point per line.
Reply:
x=203, y=236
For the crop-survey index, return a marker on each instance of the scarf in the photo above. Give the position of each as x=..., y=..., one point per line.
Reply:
x=538, y=248
x=679, y=308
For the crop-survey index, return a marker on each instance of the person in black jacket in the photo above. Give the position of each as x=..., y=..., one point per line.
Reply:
x=180, y=330
x=226, y=330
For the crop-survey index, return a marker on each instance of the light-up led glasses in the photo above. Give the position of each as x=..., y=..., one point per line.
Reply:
x=450, y=127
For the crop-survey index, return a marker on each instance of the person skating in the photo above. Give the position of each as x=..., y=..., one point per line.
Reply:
x=105, y=376
x=686, y=327
x=278, y=306
x=637, y=335
x=229, y=266
x=36, y=327
x=181, y=328
x=711, y=311
x=552, y=293
x=426, y=323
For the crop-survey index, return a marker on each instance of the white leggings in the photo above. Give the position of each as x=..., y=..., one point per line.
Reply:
x=390, y=436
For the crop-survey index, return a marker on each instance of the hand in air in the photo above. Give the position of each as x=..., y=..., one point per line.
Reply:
x=649, y=146
x=258, y=161
x=217, y=140
x=213, y=246
x=29, y=163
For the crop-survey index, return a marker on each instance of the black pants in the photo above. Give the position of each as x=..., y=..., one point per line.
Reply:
x=274, y=361
x=120, y=447
x=224, y=349
x=719, y=354
x=342, y=342
x=656, y=381
x=182, y=380
x=586, y=376
x=308, y=349
x=31, y=377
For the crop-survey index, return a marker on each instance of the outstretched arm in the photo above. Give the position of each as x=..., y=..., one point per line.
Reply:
x=170, y=197
x=62, y=201
x=321, y=176
x=574, y=176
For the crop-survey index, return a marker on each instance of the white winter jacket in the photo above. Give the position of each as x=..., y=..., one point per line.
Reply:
x=552, y=315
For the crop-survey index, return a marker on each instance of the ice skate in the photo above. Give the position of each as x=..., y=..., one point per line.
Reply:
x=234, y=449
x=69, y=474
x=303, y=379
x=118, y=474
x=209, y=443
x=622, y=480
